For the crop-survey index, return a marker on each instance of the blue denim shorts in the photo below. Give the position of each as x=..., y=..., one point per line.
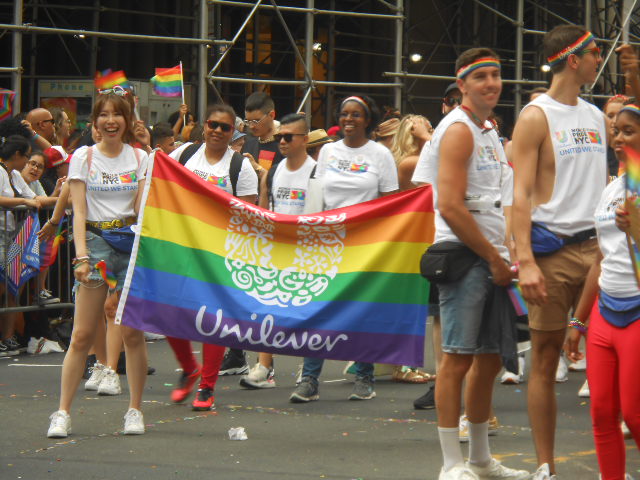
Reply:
x=98, y=249
x=466, y=327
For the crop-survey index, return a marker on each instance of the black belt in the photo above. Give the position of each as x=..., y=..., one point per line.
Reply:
x=580, y=237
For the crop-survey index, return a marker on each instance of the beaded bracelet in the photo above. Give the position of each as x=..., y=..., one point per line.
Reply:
x=578, y=325
x=79, y=260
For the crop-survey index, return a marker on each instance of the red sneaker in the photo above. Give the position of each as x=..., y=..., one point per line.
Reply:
x=204, y=400
x=185, y=385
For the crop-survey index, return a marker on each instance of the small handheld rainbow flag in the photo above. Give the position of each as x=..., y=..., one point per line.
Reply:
x=109, y=79
x=515, y=294
x=6, y=99
x=167, y=82
x=49, y=250
x=107, y=275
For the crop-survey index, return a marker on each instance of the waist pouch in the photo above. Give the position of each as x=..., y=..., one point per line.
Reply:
x=544, y=242
x=446, y=262
x=619, y=312
x=120, y=239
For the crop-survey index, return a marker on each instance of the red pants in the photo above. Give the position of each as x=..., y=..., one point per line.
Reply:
x=613, y=358
x=212, y=356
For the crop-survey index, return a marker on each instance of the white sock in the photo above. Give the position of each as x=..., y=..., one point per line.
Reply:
x=479, y=453
x=450, y=446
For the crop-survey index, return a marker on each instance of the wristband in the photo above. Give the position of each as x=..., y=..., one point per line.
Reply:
x=35, y=135
x=79, y=260
x=54, y=224
x=578, y=325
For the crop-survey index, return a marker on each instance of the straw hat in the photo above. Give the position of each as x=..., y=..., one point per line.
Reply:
x=318, y=137
x=388, y=128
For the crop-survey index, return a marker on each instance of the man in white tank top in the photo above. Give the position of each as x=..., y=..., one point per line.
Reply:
x=559, y=153
x=466, y=164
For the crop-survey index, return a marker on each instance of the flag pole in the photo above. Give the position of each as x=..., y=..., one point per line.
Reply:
x=184, y=118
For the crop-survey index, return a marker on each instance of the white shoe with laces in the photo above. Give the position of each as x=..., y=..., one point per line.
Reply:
x=97, y=374
x=458, y=472
x=60, y=425
x=543, y=473
x=562, y=372
x=110, y=383
x=259, y=377
x=495, y=470
x=133, y=422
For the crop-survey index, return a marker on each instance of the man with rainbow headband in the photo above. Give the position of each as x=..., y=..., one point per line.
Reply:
x=471, y=181
x=560, y=168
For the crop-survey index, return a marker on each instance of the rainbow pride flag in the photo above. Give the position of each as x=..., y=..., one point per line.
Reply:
x=106, y=274
x=6, y=103
x=167, y=82
x=515, y=295
x=343, y=284
x=49, y=249
x=109, y=79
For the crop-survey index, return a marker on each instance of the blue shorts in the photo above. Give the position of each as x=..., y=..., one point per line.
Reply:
x=466, y=327
x=98, y=249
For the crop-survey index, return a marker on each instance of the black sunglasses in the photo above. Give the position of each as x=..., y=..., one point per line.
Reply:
x=451, y=101
x=225, y=127
x=286, y=136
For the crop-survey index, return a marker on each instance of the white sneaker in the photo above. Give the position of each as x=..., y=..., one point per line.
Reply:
x=60, y=425
x=133, y=422
x=543, y=473
x=562, y=372
x=625, y=430
x=110, y=383
x=463, y=428
x=52, y=347
x=42, y=346
x=458, y=472
x=495, y=470
x=259, y=377
x=510, y=378
x=579, y=366
x=584, y=390
x=97, y=374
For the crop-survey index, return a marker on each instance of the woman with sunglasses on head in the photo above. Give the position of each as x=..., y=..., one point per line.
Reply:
x=609, y=310
x=106, y=182
x=352, y=170
x=214, y=162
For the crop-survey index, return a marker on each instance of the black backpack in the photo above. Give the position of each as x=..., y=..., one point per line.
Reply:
x=234, y=168
x=271, y=173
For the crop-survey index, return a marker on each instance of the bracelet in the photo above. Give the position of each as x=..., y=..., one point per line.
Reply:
x=54, y=224
x=578, y=325
x=79, y=260
x=80, y=263
x=35, y=135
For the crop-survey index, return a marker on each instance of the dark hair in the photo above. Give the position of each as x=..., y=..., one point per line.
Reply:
x=259, y=101
x=196, y=134
x=38, y=152
x=390, y=112
x=161, y=131
x=559, y=38
x=222, y=108
x=13, y=144
x=373, y=115
x=173, y=118
x=14, y=126
x=293, y=118
x=120, y=105
x=473, y=54
x=634, y=115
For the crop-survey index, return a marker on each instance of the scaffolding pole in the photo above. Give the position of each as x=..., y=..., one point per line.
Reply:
x=519, y=48
x=16, y=75
x=202, y=59
x=424, y=76
x=398, y=54
x=308, y=57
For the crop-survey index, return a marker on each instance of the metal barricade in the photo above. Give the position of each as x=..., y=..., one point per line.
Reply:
x=22, y=275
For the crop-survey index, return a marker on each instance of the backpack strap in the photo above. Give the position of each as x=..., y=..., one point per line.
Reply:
x=89, y=158
x=188, y=152
x=270, y=174
x=234, y=170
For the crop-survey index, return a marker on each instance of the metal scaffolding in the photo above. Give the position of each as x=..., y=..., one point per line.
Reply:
x=440, y=29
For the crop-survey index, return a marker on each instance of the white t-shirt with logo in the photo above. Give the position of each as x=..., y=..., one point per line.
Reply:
x=616, y=278
x=218, y=173
x=355, y=175
x=6, y=191
x=112, y=183
x=289, y=189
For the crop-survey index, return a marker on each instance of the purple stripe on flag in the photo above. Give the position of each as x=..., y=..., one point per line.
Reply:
x=264, y=335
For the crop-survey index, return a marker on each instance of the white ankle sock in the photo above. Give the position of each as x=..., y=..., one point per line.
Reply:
x=479, y=453
x=450, y=446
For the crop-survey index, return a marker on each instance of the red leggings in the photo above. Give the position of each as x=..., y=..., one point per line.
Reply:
x=212, y=356
x=613, y=356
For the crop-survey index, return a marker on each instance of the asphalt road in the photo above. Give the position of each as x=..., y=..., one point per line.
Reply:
x=384, y=438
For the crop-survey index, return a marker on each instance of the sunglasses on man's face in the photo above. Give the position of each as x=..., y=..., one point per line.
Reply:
x=452, y=101
x=225, y=127
x=287, y=137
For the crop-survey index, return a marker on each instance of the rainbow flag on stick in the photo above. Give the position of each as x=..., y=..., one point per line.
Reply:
x=6, y=103
x=343, y=284
x=49, y=249
x=109, y=79
x=632, y=205
x=167, y=82
x=515, y=295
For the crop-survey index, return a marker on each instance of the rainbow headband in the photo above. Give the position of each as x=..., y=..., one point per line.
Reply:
x=631, y=108
x=479, y=63
x=575, y=47
x=357, y=100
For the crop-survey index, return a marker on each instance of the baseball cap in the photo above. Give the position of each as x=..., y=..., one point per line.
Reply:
x=56, y=156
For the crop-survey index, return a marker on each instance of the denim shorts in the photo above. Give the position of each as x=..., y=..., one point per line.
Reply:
x=98, y=249
x=466, y=326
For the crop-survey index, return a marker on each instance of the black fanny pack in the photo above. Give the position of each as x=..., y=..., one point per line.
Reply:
x=447, y=262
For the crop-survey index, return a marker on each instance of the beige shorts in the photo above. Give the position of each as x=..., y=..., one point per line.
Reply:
x=564, y=272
